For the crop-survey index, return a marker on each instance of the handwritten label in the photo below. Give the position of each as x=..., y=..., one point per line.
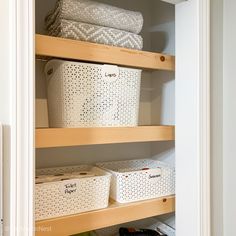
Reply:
x=69, y=189
x=154, y=175
x=110, y=73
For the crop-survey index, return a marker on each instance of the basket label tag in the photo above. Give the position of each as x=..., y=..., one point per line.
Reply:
x=69, y=189
x=154, y=175
x=110, y=73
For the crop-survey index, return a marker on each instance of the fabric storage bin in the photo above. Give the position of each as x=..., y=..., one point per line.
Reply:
x=136, y=180
x=67, y=190
x=150, y=223
x=92, y=95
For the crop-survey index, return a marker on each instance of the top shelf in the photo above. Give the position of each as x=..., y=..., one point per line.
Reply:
x=73, y=49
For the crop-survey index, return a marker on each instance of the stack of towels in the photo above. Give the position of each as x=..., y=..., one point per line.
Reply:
x=95, y=22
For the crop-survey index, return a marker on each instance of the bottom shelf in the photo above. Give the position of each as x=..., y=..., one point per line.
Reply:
x=115, y=214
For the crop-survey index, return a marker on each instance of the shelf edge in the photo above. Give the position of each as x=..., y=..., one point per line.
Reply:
x=48, y=46
x=65, y=137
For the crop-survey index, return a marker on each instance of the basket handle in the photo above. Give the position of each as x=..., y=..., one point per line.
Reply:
x=49, y=72
x=50, y=69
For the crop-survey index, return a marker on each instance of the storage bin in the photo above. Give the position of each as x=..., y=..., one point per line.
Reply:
x=136, y=180
x=71, y=194
x=92, y=95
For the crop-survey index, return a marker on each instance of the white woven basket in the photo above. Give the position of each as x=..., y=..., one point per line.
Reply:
x=92, y=95
x=76, y=195
x=137, y=180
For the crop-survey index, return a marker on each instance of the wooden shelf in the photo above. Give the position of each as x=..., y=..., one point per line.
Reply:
x=62, y=137
x=113, y=215
x=73, y=49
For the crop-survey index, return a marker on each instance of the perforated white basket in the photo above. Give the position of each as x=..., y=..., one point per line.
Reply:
x=137, y=180
x=59, y=198
x=92, y=95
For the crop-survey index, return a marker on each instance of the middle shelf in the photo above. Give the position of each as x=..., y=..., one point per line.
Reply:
x=63, y=137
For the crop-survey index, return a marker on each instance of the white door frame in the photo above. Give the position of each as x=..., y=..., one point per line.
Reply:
x=17, y=80
x=192, y=118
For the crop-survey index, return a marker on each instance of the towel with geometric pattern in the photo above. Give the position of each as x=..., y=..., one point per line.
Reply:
x=96, y=13
x=95, y=34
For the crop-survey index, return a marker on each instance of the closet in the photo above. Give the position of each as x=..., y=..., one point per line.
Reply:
x=154, y=138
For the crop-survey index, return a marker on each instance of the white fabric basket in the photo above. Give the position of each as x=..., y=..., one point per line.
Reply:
x=137, y=180
x=92, y=95
x=72, y=196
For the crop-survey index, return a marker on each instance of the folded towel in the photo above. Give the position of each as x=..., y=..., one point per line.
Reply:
x=95, y=34
x=96, y=13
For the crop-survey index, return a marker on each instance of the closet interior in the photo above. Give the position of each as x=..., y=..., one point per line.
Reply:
x=153, y=138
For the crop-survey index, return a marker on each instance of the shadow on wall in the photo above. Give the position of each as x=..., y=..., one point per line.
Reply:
x=159, y=41
x=65, y=156
x=163, y=151
x=163, y=98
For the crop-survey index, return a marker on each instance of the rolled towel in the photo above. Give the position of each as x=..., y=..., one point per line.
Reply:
x=88, y=11
x=95, y=34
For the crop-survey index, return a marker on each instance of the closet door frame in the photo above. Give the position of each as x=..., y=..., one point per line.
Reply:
x=17, y=81
x=192, y=119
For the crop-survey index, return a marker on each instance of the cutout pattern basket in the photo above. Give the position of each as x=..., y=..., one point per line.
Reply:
x=137, y=180
x=92, y=95
x=72, y=196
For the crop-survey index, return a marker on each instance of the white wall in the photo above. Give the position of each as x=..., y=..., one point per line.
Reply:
x=162, y=30
x=229, y=118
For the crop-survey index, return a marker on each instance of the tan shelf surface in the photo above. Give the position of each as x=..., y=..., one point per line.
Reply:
x=115, y=214
x=78, y=50
x=63, y=137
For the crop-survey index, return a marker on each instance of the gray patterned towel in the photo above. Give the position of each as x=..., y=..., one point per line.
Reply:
x=96, y=34
x=91, y=12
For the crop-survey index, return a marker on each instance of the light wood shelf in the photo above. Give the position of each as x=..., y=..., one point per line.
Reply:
x=62, y=137
x=73, y=49
x=115, y=214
